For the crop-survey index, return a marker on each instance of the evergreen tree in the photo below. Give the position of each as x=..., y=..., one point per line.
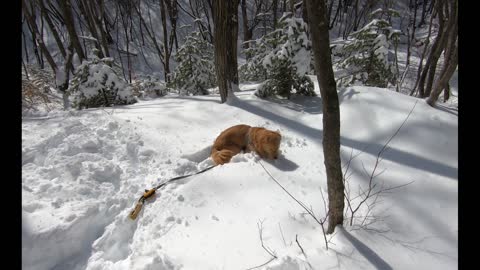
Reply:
x=365, y=55
x=97, y=84
x=195, y=72
x=282, y=57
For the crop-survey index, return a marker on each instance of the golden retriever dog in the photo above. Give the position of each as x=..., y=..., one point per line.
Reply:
x=245, y=138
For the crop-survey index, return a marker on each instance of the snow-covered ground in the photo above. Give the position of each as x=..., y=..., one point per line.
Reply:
x=82, y=172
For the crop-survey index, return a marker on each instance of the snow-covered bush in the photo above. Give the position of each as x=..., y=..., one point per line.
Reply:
x=96, y=84
x=195, y=72
x=283, y=58
x=148, y=86
x=365, y=56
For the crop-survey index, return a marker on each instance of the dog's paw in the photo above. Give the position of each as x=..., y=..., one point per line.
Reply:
x=205, y=163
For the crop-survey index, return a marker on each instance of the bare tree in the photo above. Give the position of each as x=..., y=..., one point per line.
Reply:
x=166, y=62
x=450, y=53
x=318, y=25
x=200, y=10
x=173, y=15
x=445, y=10
x=84, y=6
x=428, y=73
x=250, y=25
x=39, y=40
x=424, y=9
x=66, y=7
x=97, y=11
x=225, y=41
x=126, y=8
x=46, y=15
x=151, y=34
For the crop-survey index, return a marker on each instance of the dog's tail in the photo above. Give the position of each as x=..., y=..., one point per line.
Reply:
x=222, y=156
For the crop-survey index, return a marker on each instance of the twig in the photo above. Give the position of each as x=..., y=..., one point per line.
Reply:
x=310, y=212
x=281, y=232
x=271, y=253
x=367, y=194
x=296, y=240
x=303, y=252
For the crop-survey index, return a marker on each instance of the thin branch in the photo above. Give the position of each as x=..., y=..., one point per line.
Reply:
x=289, y=194
x=296, y=240
x=274, y=256
x=281, y=232
x=303, y=252
x=369, y=193
x=321, y=222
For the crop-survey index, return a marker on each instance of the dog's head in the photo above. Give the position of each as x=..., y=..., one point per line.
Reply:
x=271, y=143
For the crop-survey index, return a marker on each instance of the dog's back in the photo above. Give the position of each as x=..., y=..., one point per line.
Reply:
x=240, y=138
x=229, y=143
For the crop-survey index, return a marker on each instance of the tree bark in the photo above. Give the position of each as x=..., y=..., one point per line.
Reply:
x=173, y=15
x=304, y=11
x=274, y=10
x=451, y=54
x=424, y=8
x=246, y=36
x=442, y=82
x=318, y=25
x=442, y=39
x=225, y=37
x=434, y=54
x=414, y=20
x=166, y=63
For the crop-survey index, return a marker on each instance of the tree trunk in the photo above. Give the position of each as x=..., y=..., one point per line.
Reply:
x=66, y=8
x=173, y=15
x=52, y=28
x=409, y=46
x=24, y=39
x=97, y=18
x=451, y=54
x=225, y=20
x=442, y=82
x=64, y=86
x=35, y=47
x=166, y=63
x=232, y=36
x=85, y=10
x=414, y=20
x=420, y=65
x=424, y=8
x=246, y=36
x=435, y=52
x=440, y=45
x=318, y=25
x=274, y=10
x=446, y=93
x=356, y=17
x=304, y=11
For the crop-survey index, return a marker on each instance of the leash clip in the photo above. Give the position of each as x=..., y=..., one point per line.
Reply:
x=134, y=213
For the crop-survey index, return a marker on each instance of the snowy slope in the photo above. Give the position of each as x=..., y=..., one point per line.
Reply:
x=83, y=171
